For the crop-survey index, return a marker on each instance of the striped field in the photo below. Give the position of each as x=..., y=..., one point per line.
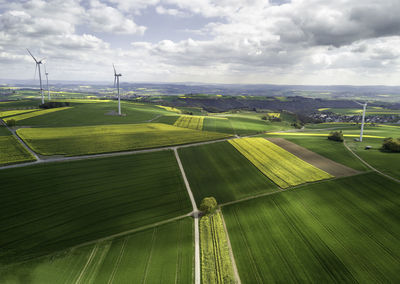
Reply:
x=164, y=252
x=216, y=265
x=282, y=167
x=190, y=121
x=31, y=114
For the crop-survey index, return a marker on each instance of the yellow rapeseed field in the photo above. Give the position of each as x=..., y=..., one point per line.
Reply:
x=190, y=121
x=172, y=109
x=281, y=166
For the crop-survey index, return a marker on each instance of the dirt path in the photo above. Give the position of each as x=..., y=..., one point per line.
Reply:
x=235, y=270
x=196, y=222
x=325, y=164
x=368, y=165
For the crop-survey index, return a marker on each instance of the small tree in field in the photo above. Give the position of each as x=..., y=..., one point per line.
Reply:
x=208, y=205
x=336, y=136
x=391, y=145
x=11, y=122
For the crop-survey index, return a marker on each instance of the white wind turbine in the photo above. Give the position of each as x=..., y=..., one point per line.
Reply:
x=40, y=75
x=363, y=119
x=116, y=80
x=47, y=79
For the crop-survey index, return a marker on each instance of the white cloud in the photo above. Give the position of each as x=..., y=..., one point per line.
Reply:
x=256, y=41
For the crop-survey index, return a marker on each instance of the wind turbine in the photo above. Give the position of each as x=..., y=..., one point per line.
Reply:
x=40, y=75
x=116, y=80
x=363, y=119
x=47, y=79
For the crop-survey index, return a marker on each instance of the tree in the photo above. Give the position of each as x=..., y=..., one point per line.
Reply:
x=11, y=122
x=336, y=136
x=391, y=144
x=208, y=205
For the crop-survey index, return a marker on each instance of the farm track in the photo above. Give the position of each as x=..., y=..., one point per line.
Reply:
x=368, y=165
x=196, y=222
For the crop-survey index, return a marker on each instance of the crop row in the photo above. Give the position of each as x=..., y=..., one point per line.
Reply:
x=339, y=231
x=164, y=252
x=69, y=203
x=282, y=167
x=190, y=121
x=216, y=265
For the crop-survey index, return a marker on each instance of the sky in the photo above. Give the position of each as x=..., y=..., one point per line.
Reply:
x=313, y=42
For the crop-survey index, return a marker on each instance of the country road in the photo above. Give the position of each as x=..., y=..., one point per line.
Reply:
x=197, y=276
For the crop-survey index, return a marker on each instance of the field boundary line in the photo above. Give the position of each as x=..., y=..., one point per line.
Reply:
x=91, y=256
x=139, y=229
x=196, y=221
x=368, y=165
x=107, y=238
x=235, y=270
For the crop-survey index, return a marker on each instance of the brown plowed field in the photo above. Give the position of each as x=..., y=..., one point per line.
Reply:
x=325, y=164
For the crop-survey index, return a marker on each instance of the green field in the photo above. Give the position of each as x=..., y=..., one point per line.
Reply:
x=96, y=112
x=247, y=126
x=219, y=170
x=344, y=230
x=58, y=205
x=11, y=150
x=217, y=125
x=281, y=166
x=164, y=252
x=216, y=265
x=109, y=138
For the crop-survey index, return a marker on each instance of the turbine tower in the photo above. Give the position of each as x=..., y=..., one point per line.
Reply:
x=363, y=119
x=116, y=80
x=40, y=75
x=47, y=79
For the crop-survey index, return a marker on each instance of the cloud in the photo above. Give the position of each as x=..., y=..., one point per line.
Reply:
x=103, y=18
x=250, y=41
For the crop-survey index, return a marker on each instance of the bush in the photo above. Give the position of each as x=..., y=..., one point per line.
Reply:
x=391, y=144
x=336, y=136
x=208, y=205
x=11, y=122
x=48, y=105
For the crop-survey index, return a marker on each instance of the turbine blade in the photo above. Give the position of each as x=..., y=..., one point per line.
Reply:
x=32, y=55
x=115, y=72
x=115, y=80
x=45, y=72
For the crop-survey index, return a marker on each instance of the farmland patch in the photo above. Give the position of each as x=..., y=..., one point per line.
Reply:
x=282, y=167
x=216, y=265
x=190, y=121
x=109, y=138
x=219, y=170
x=58, y=205
x=164, y=252
x=343, y=230
x=327, y=165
